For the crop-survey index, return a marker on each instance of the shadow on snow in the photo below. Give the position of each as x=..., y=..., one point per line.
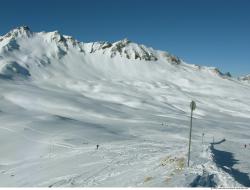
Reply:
x=225, y=160
x=204, y=180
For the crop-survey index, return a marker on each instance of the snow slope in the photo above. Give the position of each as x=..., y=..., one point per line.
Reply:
x=245, y=79
x=59, y=98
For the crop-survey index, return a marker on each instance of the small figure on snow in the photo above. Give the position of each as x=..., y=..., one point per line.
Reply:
x=97, y=146
x=245, y=145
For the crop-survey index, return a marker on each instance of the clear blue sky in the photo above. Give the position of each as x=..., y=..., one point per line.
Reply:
x=204, y=32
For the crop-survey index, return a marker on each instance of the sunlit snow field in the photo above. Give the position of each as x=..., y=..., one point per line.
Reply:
x=137, y=111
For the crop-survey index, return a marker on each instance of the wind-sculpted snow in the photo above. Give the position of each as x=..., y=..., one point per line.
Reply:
x=60, y=98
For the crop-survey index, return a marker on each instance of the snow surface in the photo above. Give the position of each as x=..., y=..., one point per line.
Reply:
x=59, y=98
x=245, y=79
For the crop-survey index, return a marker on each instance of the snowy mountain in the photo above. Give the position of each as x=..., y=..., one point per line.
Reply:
x=245, y=78
x=43, y=47
x=61, y=97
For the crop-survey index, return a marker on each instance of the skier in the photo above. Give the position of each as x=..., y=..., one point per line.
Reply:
x=97, y=146
x=245, y=145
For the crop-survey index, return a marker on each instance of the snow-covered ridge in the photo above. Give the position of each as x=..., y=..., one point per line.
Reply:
x=8, y=41
x=23, y=51
x=245, y=78
x=23, y=31
x=124, y=48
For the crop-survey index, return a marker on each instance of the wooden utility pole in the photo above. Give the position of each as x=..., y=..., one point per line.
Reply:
x=203, y=134
x=192, y=107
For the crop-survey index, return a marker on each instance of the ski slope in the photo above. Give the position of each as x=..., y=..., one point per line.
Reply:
x=59, y=98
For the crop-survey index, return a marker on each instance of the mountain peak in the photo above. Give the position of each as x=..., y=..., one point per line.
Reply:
x=23, y=28
x=131, y=50
x=56, y=35
x=123, y=42
x=22, y=31
x=124, y=48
